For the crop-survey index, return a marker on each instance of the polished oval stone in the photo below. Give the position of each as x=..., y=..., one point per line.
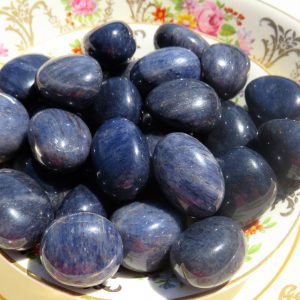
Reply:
x=81, y=250
x=279, y=142
x=118, y=98
x=80, y=199
x=209, y=252
x=25, y=211
x=14, y=122
x=188, y=175
x=250, y=185
x=111, y=44
x=236, y=128
x=164, y=65
x=72, y=81
x=225, y=68
x=273, y=97
x=185, y=104
x=168, y=35
x=121, y=158
x=148, y=229
x=17, y=77
x=59, y=140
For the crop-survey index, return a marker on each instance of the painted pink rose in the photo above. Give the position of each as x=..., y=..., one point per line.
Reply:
x=83, y=7
x=3, y=51
x=245, y=40
x=209, y=18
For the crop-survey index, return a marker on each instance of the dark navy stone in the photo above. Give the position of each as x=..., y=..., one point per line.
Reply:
x=164, y=65
x=147, y=229
x=17, y=77
x=176, y=35
x=80, y=199
x=225, y=68
x=188, y=175
x=273, y=97
x=121, y=158
x=25, y=211
x=118, y=98
x=209, y=252
x=127, y=70
x=59, y=140
x=185, y=104
x=279, y=142
x=250, y=185
x=81, y=250
x=72, y=81
x=152, y=139
x=236, y=128
x=14, y=122
x=111, y=44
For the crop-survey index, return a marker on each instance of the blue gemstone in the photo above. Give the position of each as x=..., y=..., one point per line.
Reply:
x=121, y=158
x=209, y=252
x=273, y=97
x=148, y=229
x=72, y=81
x=25, y=211
x=153, y=137
x=164, y=65
x=225, y=68
x=188, y=175
x=81, y=250
x=111, y=44
x=185, y=104
x=14, y=122
x=59, y=140
x=17, y=77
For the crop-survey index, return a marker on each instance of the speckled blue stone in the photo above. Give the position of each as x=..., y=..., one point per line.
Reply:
x=185, y=104
x=188, y=175
x=111, y=44
x=72, y=81
x=81, y=250
x=250, y=185
x=164, y=65
x=80, y=199
x=25, y=211
x=147, y=229
x=273, y=97
x=225, y=68
x=236, y=128
x=118, y=98
x=14, y=122
x=279, y=142
x=168, y=35
x=120, y=157
x=209, y=252
x=17, y=77
x=59, y=140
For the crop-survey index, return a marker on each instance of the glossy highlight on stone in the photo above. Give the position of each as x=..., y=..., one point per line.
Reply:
x=14, y=122
x=273, y=97
x=209, y=252
x=188, y=175
x=120, y=157
x=80, y=199
x=168, y=35
x=235, y=129
x=17, y=77
x=225, y=68
x=71, y=81
x=250, y=185
x=81, y=250
x=148, y=229
x=185, y=104
x=164, y=65
x=25, y=211
x=59, y=140
x=110, y=44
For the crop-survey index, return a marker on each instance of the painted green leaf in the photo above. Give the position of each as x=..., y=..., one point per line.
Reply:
x=267, y=220
x=68, y=7
x=227, y=30
x=65, y=2
x=219, y=4
x=270, y=225
x=248, y=258
x=228, y=18
x=254, y=248
x=178, y=4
